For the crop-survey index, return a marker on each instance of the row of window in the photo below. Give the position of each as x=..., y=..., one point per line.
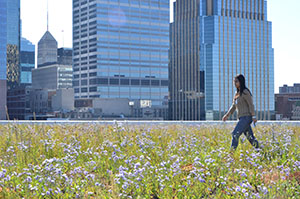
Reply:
x=147, y=3
x=93, y=16
x=76, y=3
x=145, y=95
x=83, y=25
x=242, y=14
x=122, y=66
x=126, y=54
x=132, y=72
x=130, y=30
x=122, y=82
x=147, y=75
x=77, y=17
x=156, y=3
x=126, y=46
x=82, y=42
x=109, y=61
x=134, y=16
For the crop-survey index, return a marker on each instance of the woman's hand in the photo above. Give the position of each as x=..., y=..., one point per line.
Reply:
x=225, y=117
x=254, y=121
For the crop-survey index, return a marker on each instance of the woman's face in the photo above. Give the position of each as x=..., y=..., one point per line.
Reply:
x=236, y=83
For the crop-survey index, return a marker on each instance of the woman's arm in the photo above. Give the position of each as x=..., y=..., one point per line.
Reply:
x=231, y=110
x=232, y=107
x=249, y=100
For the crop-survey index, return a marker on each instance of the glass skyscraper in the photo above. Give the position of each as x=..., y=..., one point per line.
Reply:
x=13, y=43
x=27, y=61
x=3, y=42
x=235, y=37
x=121, y=50
x=47, y=50
x=13, y=22
x=186, y=74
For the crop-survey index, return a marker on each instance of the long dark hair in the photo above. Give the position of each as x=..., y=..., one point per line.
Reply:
x=243, y=87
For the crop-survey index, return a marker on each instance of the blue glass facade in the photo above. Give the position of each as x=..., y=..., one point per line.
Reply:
x=13, y=43
x=13, y=22
x=185, y=72
x=236, y=38
x=3, y=41
x=27, y=61
x=121, y=49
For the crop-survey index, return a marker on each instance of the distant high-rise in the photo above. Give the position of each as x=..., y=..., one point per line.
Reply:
x=186, y=73
x=3, y=42
x=54, y=65
x=54, y=76
x=234, y=37
x=27, y=61
x=289, y=89
x=120, y=50
x=47, y=50
x=13, y=43
x=64, y=56
x=13, y=22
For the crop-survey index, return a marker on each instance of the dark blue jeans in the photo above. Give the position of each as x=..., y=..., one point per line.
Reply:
x=243, y=126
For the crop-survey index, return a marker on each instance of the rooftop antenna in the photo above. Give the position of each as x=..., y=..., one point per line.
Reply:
x=63, y=37
x=47, y=15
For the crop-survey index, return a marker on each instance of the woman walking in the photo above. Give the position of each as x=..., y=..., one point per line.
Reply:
x=243, y=103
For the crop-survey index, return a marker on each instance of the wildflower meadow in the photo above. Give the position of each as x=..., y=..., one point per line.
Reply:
x=147, y=161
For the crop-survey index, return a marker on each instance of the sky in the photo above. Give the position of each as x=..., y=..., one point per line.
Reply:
x=284, y=15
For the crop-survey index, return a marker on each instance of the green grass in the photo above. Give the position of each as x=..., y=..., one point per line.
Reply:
x=94, y=161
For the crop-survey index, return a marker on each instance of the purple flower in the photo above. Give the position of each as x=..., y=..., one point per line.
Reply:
x=137, y=165
x=201, y=180
x=28, y=179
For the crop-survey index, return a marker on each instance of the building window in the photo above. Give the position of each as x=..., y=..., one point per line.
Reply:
x=76, y=83
x=164, y=82
x=114, y=81
x=83, y=82
x=93, y=74
x=124, y=81
x=145, y=82
x=155, y=82
x=103, y=81
x=93, y=89
x=83, y=90
x=135, y=82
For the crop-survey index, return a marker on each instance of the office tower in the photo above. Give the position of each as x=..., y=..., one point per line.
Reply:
x=13, y=43
x=13, y=22
x=53, y=76
x=27, y=61
x=47, y=50
x=120, y=50
x=289, y=89
x=3, y=42
x=64, y=56
x=54, y=65
x=235, y=38
x=18, y=102
x=186, y=72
